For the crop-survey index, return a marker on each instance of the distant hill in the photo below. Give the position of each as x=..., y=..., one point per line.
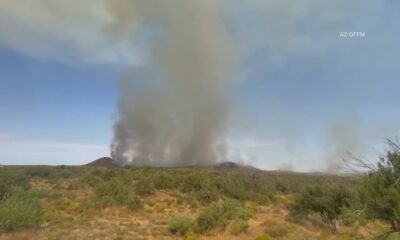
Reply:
x=233, y=166
x=102, y=162
x=108, y=162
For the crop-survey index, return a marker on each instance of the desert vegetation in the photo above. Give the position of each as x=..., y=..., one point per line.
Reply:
x=199, y=203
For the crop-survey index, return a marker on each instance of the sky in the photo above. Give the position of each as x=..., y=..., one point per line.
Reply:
x=303, y=95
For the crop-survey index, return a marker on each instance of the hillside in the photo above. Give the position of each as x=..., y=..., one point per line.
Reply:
x=102, y=162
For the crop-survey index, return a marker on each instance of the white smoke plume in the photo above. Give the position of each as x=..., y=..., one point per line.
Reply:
x=178, y=117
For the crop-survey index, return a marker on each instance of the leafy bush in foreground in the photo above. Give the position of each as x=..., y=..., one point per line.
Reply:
x=11, y=178
x=20, y=209
x=326, y=200
x=239, y=226
x=380, y=191
x=220, y=215
x=180, y=225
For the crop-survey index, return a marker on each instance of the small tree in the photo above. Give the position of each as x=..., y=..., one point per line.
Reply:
x=326, y=200
x=380, y=190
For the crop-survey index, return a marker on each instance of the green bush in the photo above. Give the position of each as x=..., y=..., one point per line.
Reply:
x=92, y=181
x=166, y=180
x=264, y=236
x=232, y=208
x=190, y=236
x=207, y=220
x=48, y=172
x=277, y=230
x=238, y=226
x=280, y=187
x=237, y=187
x=180, y=225
x=40, y=172
x=115, y=192
x=328, y=200
x=20, y=209
x=197, y=181
x=352, y=216
x=264, y=198
x=206, y=196
x=11, y=178
x=144, y=187
x=380, y=191
x=219, y=215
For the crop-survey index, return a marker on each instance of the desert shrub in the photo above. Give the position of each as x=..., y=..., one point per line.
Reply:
x=162, y=181
x=63, y=203
x=352, y=216
x=166, y=180
x=48, y=172
x=180, y=225
x=92, y=181
x=74, y=184
x=264, y=198
x=264, y=236
x=63, y=172
x=238, y=226
x=190, y=236
x=85, y=208
x=236, y=186
x=389, y=236
x=196, y=181
x=92, y=173
x=206, y=196
x=243, y=186
x=327, y=200
x=109, y=174
x=20, y=209
x=235, y=209
x=115, y=192
x=219, y=215
x=380, y=191
x=277, y=230
x=39, y=172
x=207, y=221
x=297, y=235
x=179, y=200
x=144, y=187
x=11, y=178
x=281, y=187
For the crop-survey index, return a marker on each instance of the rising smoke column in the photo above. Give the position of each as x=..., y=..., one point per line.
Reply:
x=178, y=116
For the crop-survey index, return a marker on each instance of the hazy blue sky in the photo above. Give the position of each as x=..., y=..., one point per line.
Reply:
x=302, y=96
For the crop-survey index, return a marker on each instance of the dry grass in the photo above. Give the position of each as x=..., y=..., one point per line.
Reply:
x=69, y=213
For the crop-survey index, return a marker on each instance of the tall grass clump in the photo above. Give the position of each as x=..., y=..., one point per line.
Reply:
x=20, y=209
x=11, y=178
